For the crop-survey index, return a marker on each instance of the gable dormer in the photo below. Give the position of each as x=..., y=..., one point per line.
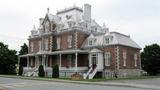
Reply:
x=49, y=22
x=91, y=40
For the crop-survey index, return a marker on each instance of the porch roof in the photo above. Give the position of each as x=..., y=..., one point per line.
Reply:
x=56, y=52
x=68, y=52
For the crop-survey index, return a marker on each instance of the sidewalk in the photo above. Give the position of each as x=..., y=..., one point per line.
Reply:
x=120, y=84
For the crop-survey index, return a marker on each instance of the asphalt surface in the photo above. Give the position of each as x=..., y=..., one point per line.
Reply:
x=153, y=81
x=21, y=84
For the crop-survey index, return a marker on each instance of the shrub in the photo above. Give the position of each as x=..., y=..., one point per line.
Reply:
x=55, y=71
x=41, y=72
x=20, y=71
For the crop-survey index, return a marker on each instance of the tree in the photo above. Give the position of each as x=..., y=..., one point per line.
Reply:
x=55, y=71
x=20, y=72
x=41, y=72
x=151, y=59
x=8, y=59
x=24, y=49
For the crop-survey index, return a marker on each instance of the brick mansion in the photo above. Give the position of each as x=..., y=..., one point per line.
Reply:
x=78, y=44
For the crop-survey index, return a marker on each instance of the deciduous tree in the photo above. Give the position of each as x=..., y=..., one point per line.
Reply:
x=151, y=59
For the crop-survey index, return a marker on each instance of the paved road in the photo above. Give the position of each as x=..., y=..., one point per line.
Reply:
x=20, y=84
x=153, y=81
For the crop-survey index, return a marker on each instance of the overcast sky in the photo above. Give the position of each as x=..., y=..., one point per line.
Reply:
x=138, y=18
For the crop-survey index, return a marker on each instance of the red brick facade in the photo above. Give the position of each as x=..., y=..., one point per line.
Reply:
x=130, y=62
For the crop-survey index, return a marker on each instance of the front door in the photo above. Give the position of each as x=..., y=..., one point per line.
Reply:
x=94, y=58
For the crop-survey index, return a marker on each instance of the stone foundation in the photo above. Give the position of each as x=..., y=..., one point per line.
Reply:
x=122, y=73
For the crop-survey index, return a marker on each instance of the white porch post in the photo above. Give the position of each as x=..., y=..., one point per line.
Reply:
x=76, y=54
x=17, y=68
x=27, y=61
x=36, y=61
x=44, y=60
x=60, y=60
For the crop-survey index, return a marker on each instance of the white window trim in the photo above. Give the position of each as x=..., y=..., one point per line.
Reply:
x=46, y=42
x=32, y=46
x=124, y=59
x=107, y=58
x=96, y=56
x=92, y=40
x=69, y=41
x=58, y=42
x=40, y=45
x=107, y=40
x=47, y=26
x=135, y=59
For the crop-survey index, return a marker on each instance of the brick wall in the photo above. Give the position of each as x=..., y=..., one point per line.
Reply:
x=35, y=45
x=110, y=49
x=81, y=38
x=130, y=62
x=64, y=40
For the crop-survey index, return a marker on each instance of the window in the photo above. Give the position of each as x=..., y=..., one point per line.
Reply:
x=69, y=41
x=92, y=41
x=46, y=44
x=106, y=40
x=32, y=45
x=124, y=58
x=58, y=42
x=40, y=46
x=47, y=26
x=94, y=58
x=107, y=58
x=135, y=60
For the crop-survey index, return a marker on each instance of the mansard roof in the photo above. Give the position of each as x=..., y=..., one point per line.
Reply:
x=116, y=39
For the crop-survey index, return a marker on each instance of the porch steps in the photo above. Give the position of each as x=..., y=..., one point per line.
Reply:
x=34, y=72
x=91, y=73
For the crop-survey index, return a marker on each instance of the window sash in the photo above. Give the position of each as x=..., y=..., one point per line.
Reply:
x=32, y=45
x=135, y=59
x=124, y=58
x=107, y=58
x=40, y=46
x=58, y=43
x=90, y=42
x=107, y=40
x=69, y=41
x=95, y=55
x=46, y=44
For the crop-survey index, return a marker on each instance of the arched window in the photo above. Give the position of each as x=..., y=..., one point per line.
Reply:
x=47, y=26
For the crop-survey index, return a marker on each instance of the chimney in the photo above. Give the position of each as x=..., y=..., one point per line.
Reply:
x=87, y=12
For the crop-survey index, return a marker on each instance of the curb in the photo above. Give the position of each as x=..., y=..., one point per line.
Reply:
x=141, y=86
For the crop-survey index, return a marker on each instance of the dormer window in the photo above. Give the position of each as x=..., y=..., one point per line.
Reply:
x=47, y=26
x=107, y=40
x=91, y=41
